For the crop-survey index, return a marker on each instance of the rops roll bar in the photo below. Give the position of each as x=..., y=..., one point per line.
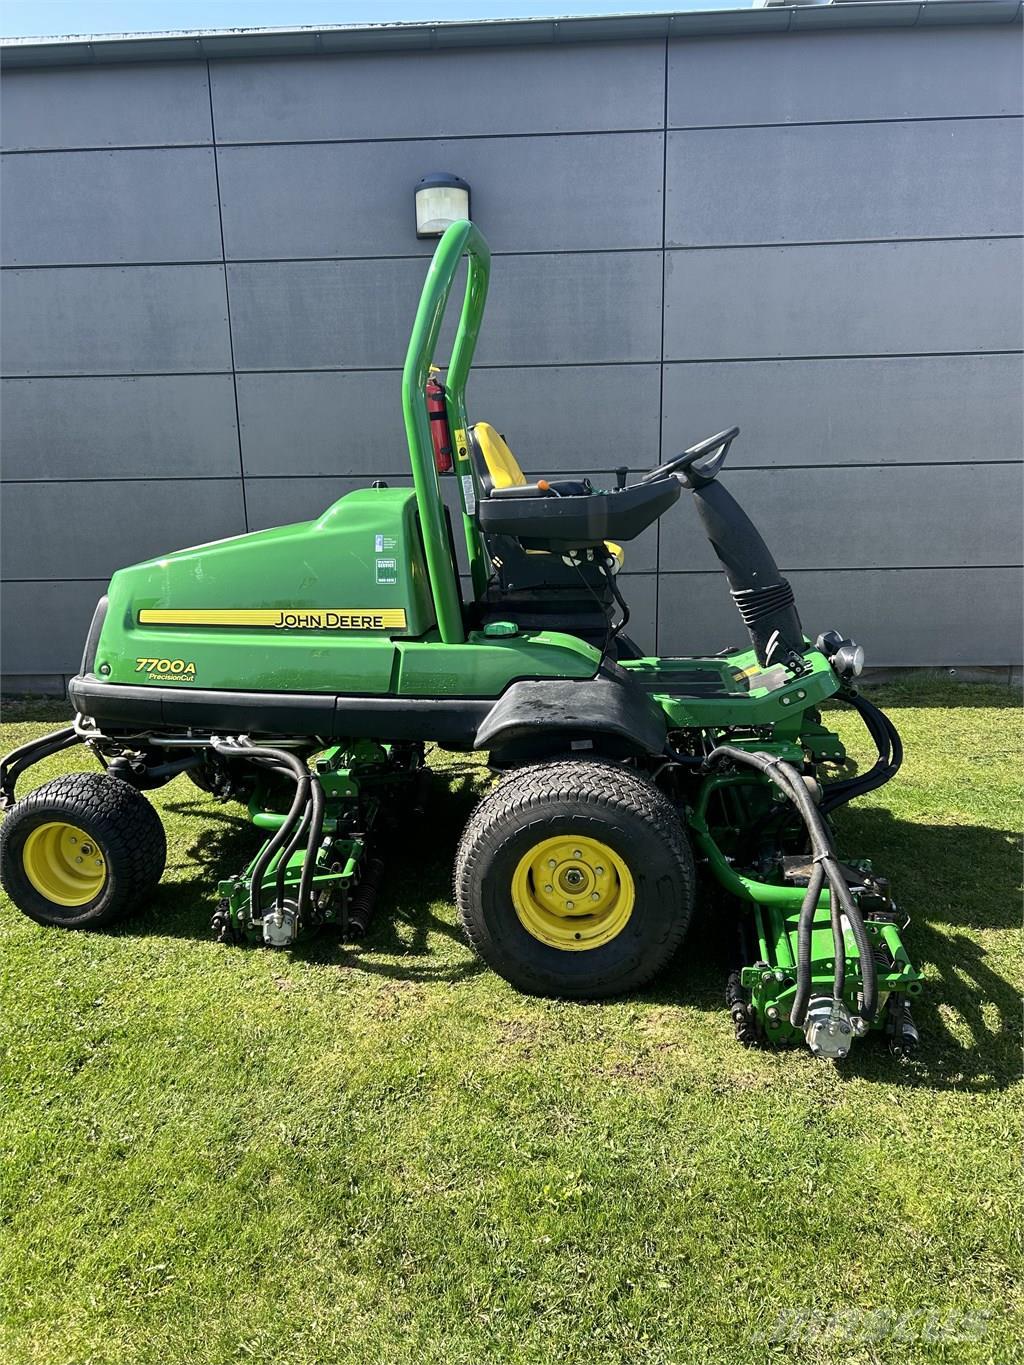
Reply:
x=461, y=239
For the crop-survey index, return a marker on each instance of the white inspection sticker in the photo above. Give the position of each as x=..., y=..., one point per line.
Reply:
x=469, y=493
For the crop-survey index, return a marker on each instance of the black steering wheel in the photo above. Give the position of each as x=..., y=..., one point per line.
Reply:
x=679, y=463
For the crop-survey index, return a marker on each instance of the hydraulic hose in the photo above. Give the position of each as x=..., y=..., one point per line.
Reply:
x=310, y=827
x=803, y=945
x=890, y=754
x=791, y=784
x=316, y=830
x=279, y=759
x=301, y=831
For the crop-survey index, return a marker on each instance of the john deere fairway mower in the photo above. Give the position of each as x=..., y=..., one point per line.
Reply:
x=303, y=670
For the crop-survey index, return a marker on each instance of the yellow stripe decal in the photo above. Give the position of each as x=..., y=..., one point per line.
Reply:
x=283, y=618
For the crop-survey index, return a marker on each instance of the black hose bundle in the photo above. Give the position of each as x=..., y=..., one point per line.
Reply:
x=304, y=819
x=825, y=867
x=887, y=765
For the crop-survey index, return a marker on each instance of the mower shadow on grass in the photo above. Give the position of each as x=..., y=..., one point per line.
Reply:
x=963, y=994
x=418, y=875
x=948, y=878
x=184, y=903
x=916, y=857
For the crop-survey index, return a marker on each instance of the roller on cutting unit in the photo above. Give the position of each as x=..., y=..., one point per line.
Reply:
x=304, y=670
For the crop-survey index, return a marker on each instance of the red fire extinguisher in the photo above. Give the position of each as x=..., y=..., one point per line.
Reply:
x=437, y=411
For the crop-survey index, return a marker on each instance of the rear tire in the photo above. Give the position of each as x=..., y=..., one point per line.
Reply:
x=81, y=851
x=614, y=846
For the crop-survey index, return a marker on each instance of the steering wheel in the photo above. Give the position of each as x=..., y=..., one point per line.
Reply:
x=722, y=440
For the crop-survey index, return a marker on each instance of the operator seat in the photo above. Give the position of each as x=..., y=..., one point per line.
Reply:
x=539, y=589
x=497, y=467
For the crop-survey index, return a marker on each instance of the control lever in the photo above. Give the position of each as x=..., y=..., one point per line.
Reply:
x=620, y=477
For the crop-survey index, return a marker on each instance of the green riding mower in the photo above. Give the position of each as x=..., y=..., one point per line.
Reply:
x=303, y=670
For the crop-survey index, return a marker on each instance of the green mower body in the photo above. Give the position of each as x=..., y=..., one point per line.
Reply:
x=303, y=670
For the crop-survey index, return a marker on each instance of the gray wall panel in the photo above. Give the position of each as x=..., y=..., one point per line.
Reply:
x=347, y=199
x=279, y=502
x=126, y=522
x=916, y=617
x=322, y=423
x=882, y=410
x=163, y=104
x=891, y=410
x=572, y=417
x=169, y=425
x=115, y=320
x=351, y=421
x=812, y=77
x=946, y=178
x=441, y=94
x=43, y=626
x=877, y=299
x=892, y=517
x=78, y=208
x=641, y=592
x=593, y=307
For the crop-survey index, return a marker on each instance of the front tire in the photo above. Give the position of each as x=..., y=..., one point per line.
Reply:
x=81, y=851
x=575, y=879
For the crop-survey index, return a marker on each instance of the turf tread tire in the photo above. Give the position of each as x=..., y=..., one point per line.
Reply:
x=124, y=825
x=571, y=788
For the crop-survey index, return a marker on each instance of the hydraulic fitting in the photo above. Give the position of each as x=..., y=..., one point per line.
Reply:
x=828, y=1028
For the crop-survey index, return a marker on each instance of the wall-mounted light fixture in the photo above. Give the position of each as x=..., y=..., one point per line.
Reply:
x=441, y=199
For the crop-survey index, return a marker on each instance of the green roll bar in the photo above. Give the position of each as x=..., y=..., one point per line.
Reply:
x=461, y=239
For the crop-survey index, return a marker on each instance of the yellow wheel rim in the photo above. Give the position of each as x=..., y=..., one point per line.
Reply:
x=573, y=893
x=64, y=863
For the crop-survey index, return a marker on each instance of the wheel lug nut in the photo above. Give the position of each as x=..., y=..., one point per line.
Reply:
x=549, y=888
x=570, y=905
x=99, y=862
x=599, y=871
x=73, y=840
x=78, y=860
x=595, y=896
x=576, y=853
x=552, y=863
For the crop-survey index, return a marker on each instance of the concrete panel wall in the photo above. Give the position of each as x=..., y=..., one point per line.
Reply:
x=135, y=320
x=821, y=182
x=283, y=202
x=880, y=606
x=164, y=105
x=68, y=208
x=210, y=274
x=598, y=88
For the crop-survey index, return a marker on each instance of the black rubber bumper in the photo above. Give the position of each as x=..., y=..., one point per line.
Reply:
x=123, y=708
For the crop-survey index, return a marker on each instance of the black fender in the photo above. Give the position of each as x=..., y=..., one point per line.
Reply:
x=609, y=714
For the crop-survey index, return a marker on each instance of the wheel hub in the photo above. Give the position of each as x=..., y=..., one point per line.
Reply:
x=64, y=863
x=573, y=893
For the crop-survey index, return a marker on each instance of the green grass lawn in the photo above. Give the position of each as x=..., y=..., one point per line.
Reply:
x=382, y=1153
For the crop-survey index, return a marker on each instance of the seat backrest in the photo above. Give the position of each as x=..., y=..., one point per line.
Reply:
x=497, y=467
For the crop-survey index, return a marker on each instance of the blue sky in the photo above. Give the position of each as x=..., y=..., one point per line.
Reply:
x=46, y=18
